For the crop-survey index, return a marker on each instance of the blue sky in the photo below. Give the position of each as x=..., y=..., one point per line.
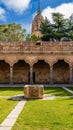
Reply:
x=23, y=11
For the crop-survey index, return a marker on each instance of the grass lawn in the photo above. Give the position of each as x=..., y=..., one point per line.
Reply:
x=5, y=108
x=57, y=91
x=47, y=114
x=71, y=88
x=7, y=91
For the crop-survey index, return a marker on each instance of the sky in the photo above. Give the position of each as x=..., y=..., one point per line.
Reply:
x=23, y=11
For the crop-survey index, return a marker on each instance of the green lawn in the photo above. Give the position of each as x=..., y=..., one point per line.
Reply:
x=46, y=115
x=5, y=107
x=57, y=91
x=54, y=114
x=71, y=88
x=38, y=114
x=9, y=91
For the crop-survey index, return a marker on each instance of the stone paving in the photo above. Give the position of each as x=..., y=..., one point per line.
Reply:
x=70, y=91
x=11, y=118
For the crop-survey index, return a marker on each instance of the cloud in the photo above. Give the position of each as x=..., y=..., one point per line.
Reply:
x=2, y=14
x=66, y=9
x=16, y=5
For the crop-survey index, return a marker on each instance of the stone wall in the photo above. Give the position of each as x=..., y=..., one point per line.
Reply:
x=42, y=72
x=21, y=72
x=4, y=72
x=61, y=72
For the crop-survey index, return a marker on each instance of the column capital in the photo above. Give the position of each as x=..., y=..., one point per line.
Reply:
x=51, y=65
x=70, y=65
x=31, y=66
x=11, y=66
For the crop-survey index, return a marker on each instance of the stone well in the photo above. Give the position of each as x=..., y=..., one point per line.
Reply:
x=33, y=91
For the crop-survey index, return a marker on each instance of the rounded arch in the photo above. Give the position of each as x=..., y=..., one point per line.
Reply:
x=41, y=71
x=21, y=72
x=4, y=72
x=61, y=72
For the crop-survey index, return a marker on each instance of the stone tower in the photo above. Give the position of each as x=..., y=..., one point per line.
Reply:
x=37, y=22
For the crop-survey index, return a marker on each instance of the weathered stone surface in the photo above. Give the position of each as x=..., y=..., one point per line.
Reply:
x=33, y=91
x=49, y=52
x=21, y=72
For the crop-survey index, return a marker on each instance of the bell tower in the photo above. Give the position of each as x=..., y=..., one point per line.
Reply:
x=38, y=19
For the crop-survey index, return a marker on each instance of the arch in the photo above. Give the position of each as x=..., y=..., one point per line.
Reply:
x=41, y=71
x=21, y=72
x=61, y=58
x=4, y=72
x=11, y=60
x=61, y=72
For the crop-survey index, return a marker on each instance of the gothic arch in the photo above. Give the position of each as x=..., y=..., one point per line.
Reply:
x=21, y=71
x=61, y=72
x=4, y=72
x=41, y=71
x=61, y=58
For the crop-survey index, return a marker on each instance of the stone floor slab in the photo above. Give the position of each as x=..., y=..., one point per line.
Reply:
x=11, y=118
x=5, y=128
x=8, y=122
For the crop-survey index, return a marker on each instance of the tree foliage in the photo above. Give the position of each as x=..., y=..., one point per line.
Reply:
x=12, y=32
x=32, y=38
x=59, y=29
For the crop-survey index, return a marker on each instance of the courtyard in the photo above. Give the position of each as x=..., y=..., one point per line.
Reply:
x=44, y=114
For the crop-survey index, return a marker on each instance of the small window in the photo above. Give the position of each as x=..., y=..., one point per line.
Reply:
x=38, y=43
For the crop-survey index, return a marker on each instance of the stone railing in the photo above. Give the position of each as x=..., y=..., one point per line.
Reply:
x=39, y=47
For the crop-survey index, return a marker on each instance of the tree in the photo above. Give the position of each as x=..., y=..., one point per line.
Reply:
x=12, y=32
x=69, y=30
x=46, y=30
x=59, y=24
x=32, y=38
x=60, y=29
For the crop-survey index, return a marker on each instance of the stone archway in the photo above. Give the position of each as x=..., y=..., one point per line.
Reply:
x=41, y=71
x=61, y=72
x=4, y=72
x=21, y=72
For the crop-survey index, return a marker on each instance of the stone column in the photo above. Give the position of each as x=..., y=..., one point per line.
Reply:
x=51, y=74
x=71, y=74
x=11, y=75
x=31, y=74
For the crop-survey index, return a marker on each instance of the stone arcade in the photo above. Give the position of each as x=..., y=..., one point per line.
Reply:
x=36, y=63
x=26, y=63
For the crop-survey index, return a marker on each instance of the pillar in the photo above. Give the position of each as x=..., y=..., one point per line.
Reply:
x=51, y=74
x=71, y=74
x=11, y=75
x=31, y=74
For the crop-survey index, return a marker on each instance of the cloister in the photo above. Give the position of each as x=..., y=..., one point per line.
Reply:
x=36, y=63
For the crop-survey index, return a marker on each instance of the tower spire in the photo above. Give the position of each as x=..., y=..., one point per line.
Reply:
x=38, y=11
